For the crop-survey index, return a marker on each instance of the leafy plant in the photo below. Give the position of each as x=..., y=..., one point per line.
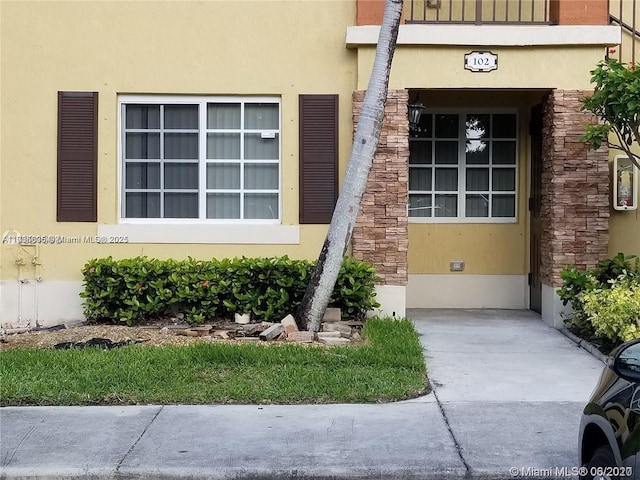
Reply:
x=139, y=289
x=616, y=103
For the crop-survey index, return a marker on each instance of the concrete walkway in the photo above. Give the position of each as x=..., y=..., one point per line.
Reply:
x=508, y=394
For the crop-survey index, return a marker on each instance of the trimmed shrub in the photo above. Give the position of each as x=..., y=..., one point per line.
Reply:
x=139, y=289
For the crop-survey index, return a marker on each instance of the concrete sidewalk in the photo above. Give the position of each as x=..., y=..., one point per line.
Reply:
x=508, y=393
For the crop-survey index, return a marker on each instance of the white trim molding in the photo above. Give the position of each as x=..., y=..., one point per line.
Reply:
x=467, y=291
x=258, y=234
x=490, y=35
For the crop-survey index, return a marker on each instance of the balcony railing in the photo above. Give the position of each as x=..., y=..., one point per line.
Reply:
x=625, y=13
x=524, y=12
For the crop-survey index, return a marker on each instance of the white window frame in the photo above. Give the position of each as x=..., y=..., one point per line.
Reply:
x=462, y=168
x=202, y=101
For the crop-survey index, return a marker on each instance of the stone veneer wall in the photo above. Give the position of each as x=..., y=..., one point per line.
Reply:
x=575, y=189
x=380, y=235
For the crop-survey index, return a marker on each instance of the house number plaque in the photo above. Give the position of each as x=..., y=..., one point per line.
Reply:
x=481, y=61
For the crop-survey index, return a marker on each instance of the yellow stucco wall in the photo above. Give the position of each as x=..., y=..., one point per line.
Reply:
x=279, y=48
x=563, y=67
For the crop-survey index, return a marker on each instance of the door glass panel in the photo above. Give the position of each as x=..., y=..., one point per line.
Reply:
x=447, y=179
x=477, y=206
x=446, y=206
x=477, y=152
x=419, y=152
x=478, y=179
x=503, y=206
x=446, y=125
x=504, y=179
x=504, y=125
x=504, y=153
x=478, y=126
x=419, y=179
x=447, y=153
x=419, y=205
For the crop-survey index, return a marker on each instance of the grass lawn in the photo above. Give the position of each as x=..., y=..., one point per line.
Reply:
x=388, y=367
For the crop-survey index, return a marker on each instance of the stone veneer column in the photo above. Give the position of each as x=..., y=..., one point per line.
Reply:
x=380, y=235
x=575, y=189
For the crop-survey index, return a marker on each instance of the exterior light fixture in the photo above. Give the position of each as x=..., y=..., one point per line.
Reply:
x=415, y=112
x=625, y=184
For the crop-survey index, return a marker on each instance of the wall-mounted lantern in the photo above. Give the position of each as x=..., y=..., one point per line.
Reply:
x=625, y=184
x=415, y=112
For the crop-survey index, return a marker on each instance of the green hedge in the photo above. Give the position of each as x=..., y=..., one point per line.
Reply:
x=139, y=289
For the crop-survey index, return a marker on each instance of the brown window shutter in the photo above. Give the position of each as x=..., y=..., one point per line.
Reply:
x=77, y=156
x=318, y=157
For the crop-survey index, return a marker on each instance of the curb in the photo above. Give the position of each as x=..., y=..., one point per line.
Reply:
x=585, y=345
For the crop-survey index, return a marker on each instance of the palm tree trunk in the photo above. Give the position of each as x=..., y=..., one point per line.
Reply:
x=364, y=147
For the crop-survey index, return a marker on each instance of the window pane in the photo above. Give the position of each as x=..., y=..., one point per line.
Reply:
x=261, y=176
x=180, y=175
x=419, y=152
x=261, y=205
x=504, y=179
x=183, y=117
x=143, y=116
x=503, y=206
x=478, y=179
x=223, y=205
x=223, y=146
x=425, y=126
x=446, y=206
x=180, y=205
x=420, y=205
x=223, y=115
x=477, y=206
x=447, y=153
x=447, y=179
x=143, y=146
x=181, y=146
x=261, y=116
x=504, y=125
x=142, y=175
x=477, y=152
x=419, y=179
x=446, y=125
x=223, y=175
x=258, y=148
x=478, y=126
x=142, y=205
x=504, y=153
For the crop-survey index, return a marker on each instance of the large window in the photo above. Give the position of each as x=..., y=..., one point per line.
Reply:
x=463, y=166
x=204, y=158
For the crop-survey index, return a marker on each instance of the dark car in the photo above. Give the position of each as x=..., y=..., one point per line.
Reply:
x=609, y=439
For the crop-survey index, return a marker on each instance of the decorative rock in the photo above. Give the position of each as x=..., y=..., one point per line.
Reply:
x=332, y=315
x=329, y=334
x=301, y=337
x=334, y=341
x=272, y=332
x=289, y=324
x=345, y=330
